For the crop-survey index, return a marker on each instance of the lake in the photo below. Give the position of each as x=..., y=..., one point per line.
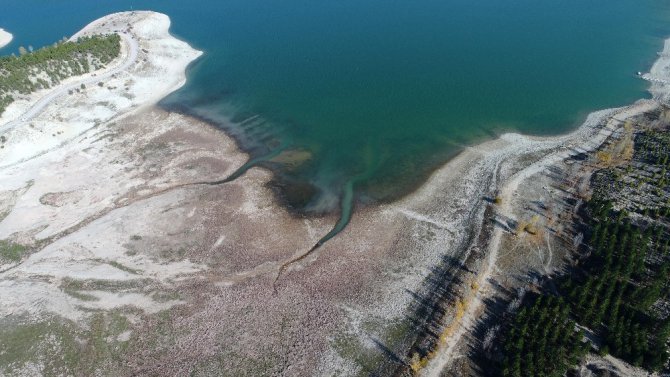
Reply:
x=362, y=99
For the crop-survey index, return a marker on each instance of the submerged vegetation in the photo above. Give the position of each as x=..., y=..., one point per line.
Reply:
x=615, y=299
x=48, y=66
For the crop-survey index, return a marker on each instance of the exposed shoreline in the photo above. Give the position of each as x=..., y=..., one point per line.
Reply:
x=107, y=168
x=587, y=138
x=5, y=38
x=491, y=141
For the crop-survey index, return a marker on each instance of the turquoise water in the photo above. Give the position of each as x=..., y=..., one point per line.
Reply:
x=379, y=93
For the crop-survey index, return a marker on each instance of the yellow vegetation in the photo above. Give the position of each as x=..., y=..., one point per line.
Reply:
x=449, y=330
x=417, y=363
x=532, y=225
x=604, y=157
x=620, y=150
x=528, y=226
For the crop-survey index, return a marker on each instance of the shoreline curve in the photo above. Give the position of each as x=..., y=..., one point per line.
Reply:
x=597, y=128
x=5, y=38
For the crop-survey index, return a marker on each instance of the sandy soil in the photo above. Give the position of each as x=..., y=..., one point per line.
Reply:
x=5, y=38
x=116, y=202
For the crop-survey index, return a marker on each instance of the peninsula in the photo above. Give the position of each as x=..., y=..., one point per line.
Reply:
x=125, y=249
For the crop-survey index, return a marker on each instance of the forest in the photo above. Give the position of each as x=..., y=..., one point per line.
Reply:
x=615, y=299
x=48, y=66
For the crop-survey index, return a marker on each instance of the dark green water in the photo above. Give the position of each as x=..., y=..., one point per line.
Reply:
x=379, y=93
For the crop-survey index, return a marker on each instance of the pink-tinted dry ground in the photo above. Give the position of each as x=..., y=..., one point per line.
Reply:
x=191, y=270
x=139, y=232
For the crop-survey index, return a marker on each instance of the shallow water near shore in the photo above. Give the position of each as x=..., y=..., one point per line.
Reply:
x=363, y=99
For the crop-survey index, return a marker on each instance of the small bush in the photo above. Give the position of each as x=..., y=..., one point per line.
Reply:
x=11, y=251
